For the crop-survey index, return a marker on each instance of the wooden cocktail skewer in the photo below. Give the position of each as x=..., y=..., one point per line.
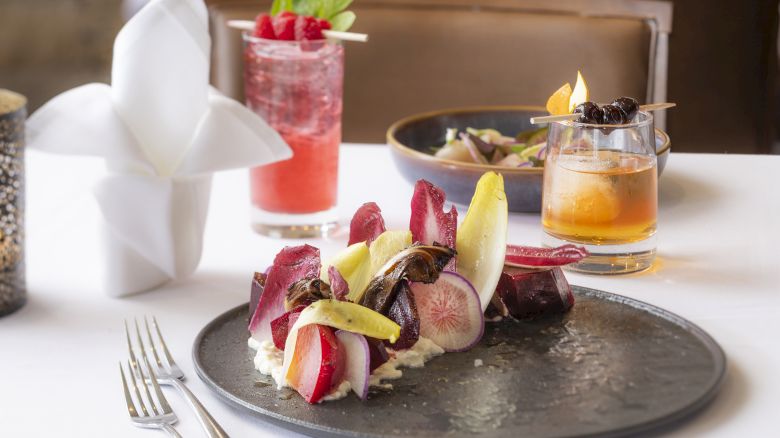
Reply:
x=562, y=117
x=332, y=34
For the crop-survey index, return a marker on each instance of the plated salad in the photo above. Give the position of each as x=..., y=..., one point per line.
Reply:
x=488, y=146
x=397, y=298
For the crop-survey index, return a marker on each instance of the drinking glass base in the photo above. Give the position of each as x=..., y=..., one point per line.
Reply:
x=294, y=226
x=610, y=259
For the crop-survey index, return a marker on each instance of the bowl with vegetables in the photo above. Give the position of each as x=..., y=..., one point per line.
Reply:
x=452, y=148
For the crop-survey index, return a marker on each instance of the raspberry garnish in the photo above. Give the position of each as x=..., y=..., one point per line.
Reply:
x=264, y=28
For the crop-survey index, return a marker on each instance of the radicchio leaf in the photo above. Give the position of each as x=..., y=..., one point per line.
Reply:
x=429, y=223
x=367, y=224
x=338, y=285
x=528, y=294
x=532, y=257
x=290, y=265
x=258, y=283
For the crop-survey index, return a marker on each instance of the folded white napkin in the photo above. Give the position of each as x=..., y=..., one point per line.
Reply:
x=162, y=131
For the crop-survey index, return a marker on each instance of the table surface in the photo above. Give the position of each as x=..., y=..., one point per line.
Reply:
x=718, y=266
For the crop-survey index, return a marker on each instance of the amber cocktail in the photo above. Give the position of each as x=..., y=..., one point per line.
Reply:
x=600, y=190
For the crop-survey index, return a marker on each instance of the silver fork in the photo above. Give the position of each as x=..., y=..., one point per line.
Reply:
x=160, y=417
x=169, y=373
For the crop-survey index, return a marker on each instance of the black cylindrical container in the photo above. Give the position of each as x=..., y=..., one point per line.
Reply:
x=13, y=290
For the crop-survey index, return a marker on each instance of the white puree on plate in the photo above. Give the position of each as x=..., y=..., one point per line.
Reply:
x=269, y=360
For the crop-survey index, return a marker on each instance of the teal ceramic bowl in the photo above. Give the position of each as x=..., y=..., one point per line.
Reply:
x=410, y=137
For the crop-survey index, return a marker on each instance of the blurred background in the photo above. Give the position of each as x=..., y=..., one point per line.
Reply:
x=716, y=59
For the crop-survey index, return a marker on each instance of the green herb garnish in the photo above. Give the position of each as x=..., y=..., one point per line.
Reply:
x=332, y=10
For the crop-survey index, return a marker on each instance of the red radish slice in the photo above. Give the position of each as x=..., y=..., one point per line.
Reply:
x=450, y=312
x=429, y=223
x=317, y=364
x=367, y=224
x=532, y=257
x=356, y=369
x=290, y=265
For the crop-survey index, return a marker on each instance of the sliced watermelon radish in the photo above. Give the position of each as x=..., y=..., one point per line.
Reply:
x=366, y=224
x=450, y=312
x=528, y=294
x=290, y=265
x=317, y=364
x=532, y=257
x=358, y=361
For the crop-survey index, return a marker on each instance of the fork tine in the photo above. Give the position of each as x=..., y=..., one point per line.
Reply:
x=151, y=343
x=167, y=353
x=140, y=339
x=128, y=398
x=160, y=396
x=133, y=361
x=146, y=389
x=138, y=394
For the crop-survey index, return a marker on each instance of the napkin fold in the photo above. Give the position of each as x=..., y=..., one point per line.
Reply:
x=162, y=131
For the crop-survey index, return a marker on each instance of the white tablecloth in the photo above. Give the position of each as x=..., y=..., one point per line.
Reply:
x=719, y=234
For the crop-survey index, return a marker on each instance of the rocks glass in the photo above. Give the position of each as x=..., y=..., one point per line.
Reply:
x=601, y=191
x=13, y=290
x=296, y=86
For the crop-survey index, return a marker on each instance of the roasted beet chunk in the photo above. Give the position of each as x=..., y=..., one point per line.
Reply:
x=536, y=293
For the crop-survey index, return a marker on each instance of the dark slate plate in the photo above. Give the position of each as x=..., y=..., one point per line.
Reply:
x=613, y=366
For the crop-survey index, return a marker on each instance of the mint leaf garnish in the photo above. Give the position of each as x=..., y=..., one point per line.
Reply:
x=308, y=7
x=281, y=5
x=331, y=10
x=343, y=21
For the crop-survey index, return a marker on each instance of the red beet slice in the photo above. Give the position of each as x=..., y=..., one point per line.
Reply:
x=290, y=265
x=280, y=327
x=528, y=294
x=258, y=283
x=532, y=257
x=378, y=353
x=338, y=286
x=367, y=224
x=429, y=223
x=317, y=364
x=403, y=312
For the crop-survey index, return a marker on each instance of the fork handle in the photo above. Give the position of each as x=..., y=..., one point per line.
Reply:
x=171, y=431
x=212, y=428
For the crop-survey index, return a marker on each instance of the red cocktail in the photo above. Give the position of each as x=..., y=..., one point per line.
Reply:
x=296, y=86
